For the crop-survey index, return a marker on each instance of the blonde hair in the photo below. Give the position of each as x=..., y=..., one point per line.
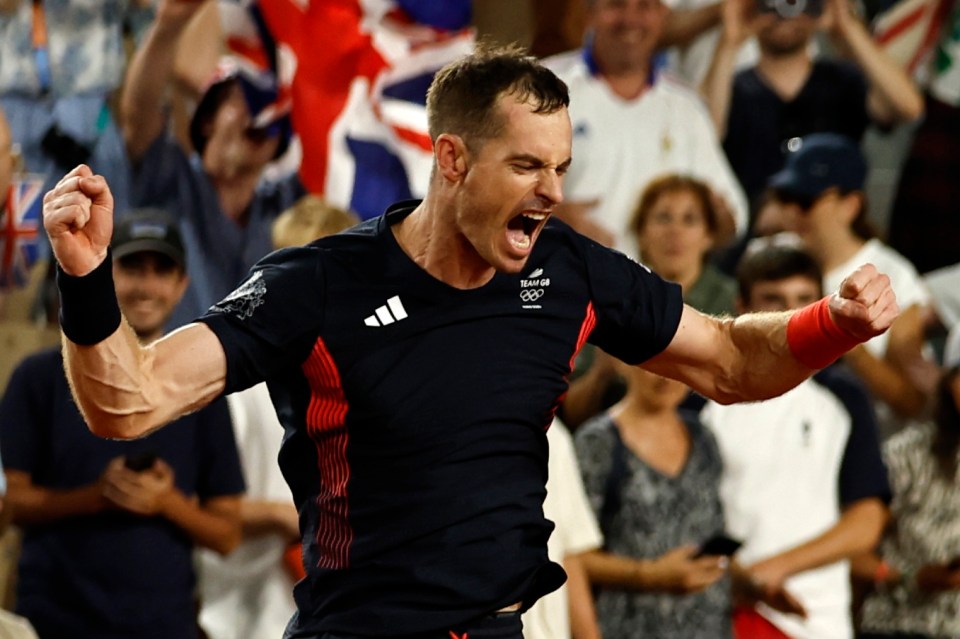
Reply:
x=310, y=218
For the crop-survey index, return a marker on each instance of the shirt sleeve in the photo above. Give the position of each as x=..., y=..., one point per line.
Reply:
x=219, y=473
x=637, y=312
x=271, y=321
x=863, y=473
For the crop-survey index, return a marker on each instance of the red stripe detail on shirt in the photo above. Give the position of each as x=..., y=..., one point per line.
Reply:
x=586, y=327
x=326, y=415
x=589, y=323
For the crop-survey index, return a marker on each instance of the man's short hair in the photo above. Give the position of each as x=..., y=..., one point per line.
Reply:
x=462, y=99
x=775, y=258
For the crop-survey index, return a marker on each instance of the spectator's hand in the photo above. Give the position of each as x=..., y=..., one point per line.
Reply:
x=577, y=215
x=741, y=21
x=78, y=218
x=934, y=578
x=865, y=306
x=143, y=493
x=677, y=570
x=838, y=19
x=749, y=589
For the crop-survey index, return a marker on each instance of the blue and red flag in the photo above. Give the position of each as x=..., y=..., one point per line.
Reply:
x=358, y=72
x=20, y=222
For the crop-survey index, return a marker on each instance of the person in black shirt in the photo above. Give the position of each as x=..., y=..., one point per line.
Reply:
x=416, y=361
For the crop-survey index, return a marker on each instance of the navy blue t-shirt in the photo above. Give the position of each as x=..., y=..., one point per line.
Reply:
x=415, y=413
x=113, y=574
x=760, y=122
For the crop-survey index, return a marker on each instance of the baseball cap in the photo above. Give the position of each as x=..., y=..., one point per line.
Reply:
x=148, y=230
x=268, y=103
x=818, y=162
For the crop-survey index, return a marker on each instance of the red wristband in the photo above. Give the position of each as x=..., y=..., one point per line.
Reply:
x=814, y=338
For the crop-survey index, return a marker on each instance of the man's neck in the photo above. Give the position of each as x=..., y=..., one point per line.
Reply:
x=435, y=246
x=785, y=73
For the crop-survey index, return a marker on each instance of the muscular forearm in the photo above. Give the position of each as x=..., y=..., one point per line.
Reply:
x=126, y=390
x=215, y=525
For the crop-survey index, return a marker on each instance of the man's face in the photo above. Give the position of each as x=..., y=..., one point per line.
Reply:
x=149, y=285
x=626, y=31
x=233, y=147
x=783, y=36
x=782, y=295
x=512, y=184
x=820, y=220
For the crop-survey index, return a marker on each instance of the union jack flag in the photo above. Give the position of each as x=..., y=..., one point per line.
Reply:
x=358, y=72
x=20, y=230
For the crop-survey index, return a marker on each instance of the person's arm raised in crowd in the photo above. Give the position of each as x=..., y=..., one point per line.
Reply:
x=892, y=97
x=857, y=531
x=755, y=356
x=123, y=389
x=739, y=23
x=683, y=26
x=143, y=104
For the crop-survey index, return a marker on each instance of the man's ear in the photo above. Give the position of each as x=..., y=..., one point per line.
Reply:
x=451, y=153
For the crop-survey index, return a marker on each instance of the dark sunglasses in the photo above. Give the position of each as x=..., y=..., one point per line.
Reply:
x=803, y=201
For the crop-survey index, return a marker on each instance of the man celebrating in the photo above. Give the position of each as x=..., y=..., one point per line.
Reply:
x=421, y=495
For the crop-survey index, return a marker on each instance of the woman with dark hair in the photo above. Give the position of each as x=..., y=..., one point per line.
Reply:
x=916, y=592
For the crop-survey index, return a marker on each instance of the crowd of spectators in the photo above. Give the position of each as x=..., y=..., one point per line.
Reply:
x=719, y=142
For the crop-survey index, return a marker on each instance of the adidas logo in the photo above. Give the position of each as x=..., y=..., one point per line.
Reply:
x=389, y=313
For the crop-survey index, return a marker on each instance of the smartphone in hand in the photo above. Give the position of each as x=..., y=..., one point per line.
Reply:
x=720, y=544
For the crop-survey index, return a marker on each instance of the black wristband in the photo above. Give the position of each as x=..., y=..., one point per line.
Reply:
x=89, y=312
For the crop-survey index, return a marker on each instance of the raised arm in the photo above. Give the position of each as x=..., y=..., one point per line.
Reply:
x=738, y=24
x=143, y=105
x=892, y=97
x=123, y=389
x=756, y=356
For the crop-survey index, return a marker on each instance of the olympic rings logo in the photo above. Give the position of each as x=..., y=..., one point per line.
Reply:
x=531, y=294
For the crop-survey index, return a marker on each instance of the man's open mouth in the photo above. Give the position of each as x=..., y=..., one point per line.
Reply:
x=522, y=228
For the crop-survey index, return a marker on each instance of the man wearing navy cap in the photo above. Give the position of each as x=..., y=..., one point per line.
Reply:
x=109, y=526
x=820, y=189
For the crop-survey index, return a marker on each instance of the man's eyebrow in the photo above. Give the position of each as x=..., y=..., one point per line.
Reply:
x=536, y=161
